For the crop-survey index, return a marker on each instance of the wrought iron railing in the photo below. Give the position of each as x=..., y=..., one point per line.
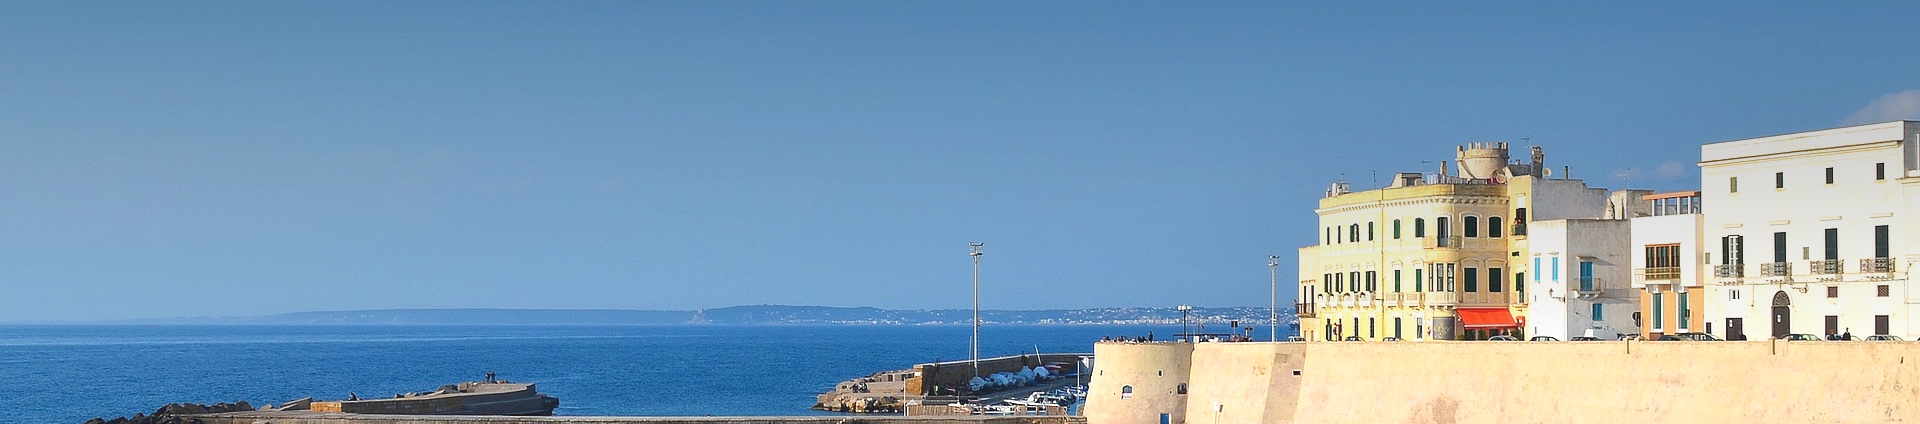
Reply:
x=1730, y=271
x=1824, y=266
x=1660, y=273
x=1303, y=310
x=1876, y=265
x=1776, y=269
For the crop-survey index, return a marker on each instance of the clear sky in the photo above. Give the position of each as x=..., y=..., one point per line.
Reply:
x=166, y=159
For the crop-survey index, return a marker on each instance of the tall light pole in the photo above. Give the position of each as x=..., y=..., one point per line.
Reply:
x=973, y=249
x=1273, y=267
x=1184, y=309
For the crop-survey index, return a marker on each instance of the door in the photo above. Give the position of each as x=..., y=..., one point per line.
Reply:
x=1782, y=315
x=1880, y=325
x=1166, y=418
x=1734, y=329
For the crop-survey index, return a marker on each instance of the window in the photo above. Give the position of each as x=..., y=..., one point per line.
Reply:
x=1880, y=242
x=1832, y=251
x=1372, y=281
x=1883, y=290
x=1396, y=327
x=1880, y=171
x=1833, y=324
x=1733, y=184
x=1779, y=180
x=1493, y=279
x=1353, y=281
x=1126, y=392
x=1829, y=175
x=1353, y=232
x=1536, y=269
x=1519, y=284
x=1586, y=275
x=1472, y=277
x=1596, y=313
x=1880, y=324
x=1396, y=281
x=1419, y=227
x=1369, y=231
x=1663, y=262
x=1556, y=268
x=1416, y=280
x=1339, y=236
x=1370, y=328
x=1329, y=236
x=1493, y=226
x=1733, y=295
x=1473, y=226
x=1520, y=221
x=1833, y=292
x=1779, y=247
x=1440, y=227
x=1396, y=229
x=1180, y=389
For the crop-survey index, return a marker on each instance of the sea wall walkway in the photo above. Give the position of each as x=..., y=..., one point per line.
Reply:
x=291, y=417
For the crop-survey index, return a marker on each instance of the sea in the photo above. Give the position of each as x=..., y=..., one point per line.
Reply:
x=72, y=373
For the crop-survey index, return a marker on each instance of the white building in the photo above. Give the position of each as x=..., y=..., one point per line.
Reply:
x=1809, y=232
x=1581, y=286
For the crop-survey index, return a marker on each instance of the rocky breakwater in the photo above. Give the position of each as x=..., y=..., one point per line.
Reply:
x=177, y=413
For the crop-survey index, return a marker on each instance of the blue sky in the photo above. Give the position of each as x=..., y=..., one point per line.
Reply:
x=238, y=158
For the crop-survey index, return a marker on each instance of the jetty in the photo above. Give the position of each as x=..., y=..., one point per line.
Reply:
x=935, y=384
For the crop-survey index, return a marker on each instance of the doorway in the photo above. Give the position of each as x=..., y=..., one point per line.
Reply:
x=1734, y=330
x=1782, y=315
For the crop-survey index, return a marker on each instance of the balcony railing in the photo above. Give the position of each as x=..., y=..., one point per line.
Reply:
x=1824, y=266
x=1776, y=269
x=1449, y=242
x=1660, y=273
x=1519, y=228
x=1589, y=287
x=1876, y=265
x=1441, y=298
x=1730, y=271
x=1303, y=310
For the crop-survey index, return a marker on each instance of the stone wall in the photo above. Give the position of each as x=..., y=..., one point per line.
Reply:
x=955, y=374
x=1563, y=382
x=337, y=418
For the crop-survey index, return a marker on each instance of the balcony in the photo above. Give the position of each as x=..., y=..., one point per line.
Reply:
x=1730, y=271
x=1776, y=269
x=1440, y=298
x=1519, y=228
x=1658, y=273
x=1303, y=310
x=1450, y=242
x=1824, y=266
x=1876, y=265
x=1589, y=287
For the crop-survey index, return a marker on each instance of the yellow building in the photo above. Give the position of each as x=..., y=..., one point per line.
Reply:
x=1433, y=256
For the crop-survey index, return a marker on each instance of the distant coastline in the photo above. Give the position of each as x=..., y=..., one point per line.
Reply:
x=734, y=315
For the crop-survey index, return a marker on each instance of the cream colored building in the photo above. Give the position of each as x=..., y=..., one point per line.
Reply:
x=1810, y=232
x=1669, y=280
x=1433, y=256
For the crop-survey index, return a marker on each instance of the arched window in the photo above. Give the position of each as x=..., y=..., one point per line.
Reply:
x=1369, y=231
x=1472, y=224
x=1353, y=232
x=1493, y=226
x=1440, y=227
x=1329, y=235
x=1126, y=392
x=1396, y=229
x=1419, y=227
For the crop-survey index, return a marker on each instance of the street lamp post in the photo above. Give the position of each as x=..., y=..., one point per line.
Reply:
x=974, y=250
x=1273, y=330
x=1186, y=332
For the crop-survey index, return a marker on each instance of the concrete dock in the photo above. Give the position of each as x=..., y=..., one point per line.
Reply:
x=308, y=417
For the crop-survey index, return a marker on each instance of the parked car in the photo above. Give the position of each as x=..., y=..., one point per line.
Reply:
x=1295, y=339
x=1697, y=337
x=1353, y=338
x=1884, y=338
x=1502, y=339
x=1543, y=339
x=1585, y=339
x=1625, y=337
x=1802, y=338
x=1390, y=339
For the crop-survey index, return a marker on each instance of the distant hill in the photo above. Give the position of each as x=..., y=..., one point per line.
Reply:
x=742, y=315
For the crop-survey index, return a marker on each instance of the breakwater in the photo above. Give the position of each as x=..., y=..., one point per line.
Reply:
x=336, y=418
x=1497, y=382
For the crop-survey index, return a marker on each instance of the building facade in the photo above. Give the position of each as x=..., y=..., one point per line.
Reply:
x=1433, y=256
x=1669, y=267
x=1809, y=233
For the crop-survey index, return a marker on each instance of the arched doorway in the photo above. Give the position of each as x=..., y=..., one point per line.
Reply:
x=1782, y=314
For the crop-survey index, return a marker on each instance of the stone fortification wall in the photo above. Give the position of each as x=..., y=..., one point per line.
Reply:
x=1499, y=382
x=1136, y=382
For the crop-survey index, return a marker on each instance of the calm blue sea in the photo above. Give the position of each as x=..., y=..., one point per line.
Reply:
x=68, y=374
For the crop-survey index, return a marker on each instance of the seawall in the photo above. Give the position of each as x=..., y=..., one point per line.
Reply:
x=339, y=418
x=1504, y=382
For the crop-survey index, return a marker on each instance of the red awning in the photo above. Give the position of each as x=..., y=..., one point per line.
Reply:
x=1477, y=318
